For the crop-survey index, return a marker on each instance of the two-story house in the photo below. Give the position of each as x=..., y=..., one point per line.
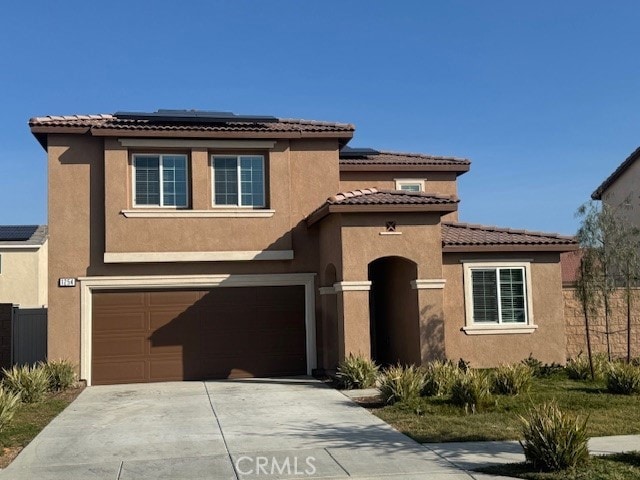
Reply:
x=212, y=245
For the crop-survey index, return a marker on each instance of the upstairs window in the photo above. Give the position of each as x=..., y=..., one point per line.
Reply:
x=499, y=295
x=410, y=184
x=238, y=180
x=160, y=181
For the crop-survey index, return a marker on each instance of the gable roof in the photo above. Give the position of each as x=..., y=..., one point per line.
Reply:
x=193, y=124
x=597, y=194
x=464, y=237
x=370, y=159
x=374, y=200
x=22, y=235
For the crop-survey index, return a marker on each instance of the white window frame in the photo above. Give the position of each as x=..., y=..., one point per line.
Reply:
x=239, y=205
x=410, y=181
x=472, y=328
x=160, y=179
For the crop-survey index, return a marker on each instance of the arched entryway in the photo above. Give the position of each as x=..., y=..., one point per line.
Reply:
x=393, y=311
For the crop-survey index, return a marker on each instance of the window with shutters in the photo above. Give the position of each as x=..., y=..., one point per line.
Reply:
x=497, y=296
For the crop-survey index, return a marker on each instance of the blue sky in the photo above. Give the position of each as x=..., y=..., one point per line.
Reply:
x=542, y=96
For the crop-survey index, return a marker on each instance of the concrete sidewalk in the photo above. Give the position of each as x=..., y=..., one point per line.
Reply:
x=472, y=455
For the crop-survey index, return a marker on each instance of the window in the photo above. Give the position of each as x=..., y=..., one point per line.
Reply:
x=410, y=184
x=238, y=180
x=497, y=296
x=160, y=180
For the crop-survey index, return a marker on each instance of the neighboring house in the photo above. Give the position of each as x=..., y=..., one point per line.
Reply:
x=621, y=189
x=210, y=245
x=23, y=265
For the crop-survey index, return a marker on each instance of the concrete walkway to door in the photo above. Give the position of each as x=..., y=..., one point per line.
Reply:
x=258, y=428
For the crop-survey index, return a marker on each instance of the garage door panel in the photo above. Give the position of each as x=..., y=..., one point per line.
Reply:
x=121, y=322
x=197, y=334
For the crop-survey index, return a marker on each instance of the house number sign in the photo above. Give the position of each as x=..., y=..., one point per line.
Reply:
x=66, y=282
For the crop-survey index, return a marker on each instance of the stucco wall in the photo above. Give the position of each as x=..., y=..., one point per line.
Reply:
x=626, y=190
x=547, y=343
x=23, y=276
x=575, y=325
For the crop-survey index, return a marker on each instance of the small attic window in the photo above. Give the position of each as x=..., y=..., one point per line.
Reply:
x=410, y=184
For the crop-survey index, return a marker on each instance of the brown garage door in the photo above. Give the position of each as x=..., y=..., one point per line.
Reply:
x=162, y=335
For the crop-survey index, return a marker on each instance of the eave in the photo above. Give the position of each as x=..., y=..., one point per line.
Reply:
x=403, y=168
x=508, y=248
x=329, y=209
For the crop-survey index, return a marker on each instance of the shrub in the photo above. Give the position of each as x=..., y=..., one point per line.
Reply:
x=539, y=369
x=439, y=377
x=512, y=379
x=578, y=368
x=9, y=403
x=30, y=382
x=471, y=390
x=61, y=373
x=623, y=379
x=357, y=372
x=401, y=384
x=553, y=439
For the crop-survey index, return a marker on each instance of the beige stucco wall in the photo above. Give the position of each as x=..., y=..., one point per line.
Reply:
x=624, y=194
x=547, y=343
x=575, y=326
x=85, y=221
x=23, y=276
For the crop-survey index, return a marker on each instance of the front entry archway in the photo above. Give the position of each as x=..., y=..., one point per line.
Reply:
x=393, y=311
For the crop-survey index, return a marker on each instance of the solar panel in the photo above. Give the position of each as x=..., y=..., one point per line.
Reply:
x=17, y=233
x=357, y=152
x=200, y=116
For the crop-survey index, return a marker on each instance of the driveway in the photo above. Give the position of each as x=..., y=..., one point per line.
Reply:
x=258, y=428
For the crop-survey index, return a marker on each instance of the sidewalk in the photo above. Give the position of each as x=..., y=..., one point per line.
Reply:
x=472, y=455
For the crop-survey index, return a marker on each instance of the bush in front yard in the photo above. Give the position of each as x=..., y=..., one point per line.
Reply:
x=357, y=372
x=553, y=439
x=578, y=368
x=471, y=390
x=9, y=403
x=62, y=374
x=623, y=378
x=401, y=384
x=511, y=379
x=30, y=382
x=439, y=377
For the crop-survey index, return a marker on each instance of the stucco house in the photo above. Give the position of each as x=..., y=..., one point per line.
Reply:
x=23, y=265
x=213, y=245
x=621, y=189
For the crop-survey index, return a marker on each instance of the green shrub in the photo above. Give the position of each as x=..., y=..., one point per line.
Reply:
x=578, y=368
x=62, y=374
x=471, y=390
x=623, y=378
x=357, y=372
x=30, y=382
x=9, y=403
x=553, y=439
x=511, y=379
x=439, y=377
x=539, y=369
x=401, y=384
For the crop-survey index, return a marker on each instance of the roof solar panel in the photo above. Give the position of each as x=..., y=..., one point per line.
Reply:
x=17, y=233
x=199, y=116
x=357, y=152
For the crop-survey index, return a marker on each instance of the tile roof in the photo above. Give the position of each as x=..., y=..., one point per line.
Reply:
x=597, y=194
x=373, y=196
x=372, y=200
x=570, y=266
x=107, y=121
x=11, y=235
x=373, y=157
x=458, y=236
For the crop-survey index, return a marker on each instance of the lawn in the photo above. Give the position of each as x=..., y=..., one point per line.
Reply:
x=621, y=466
x=29, y=420
x=434, y=419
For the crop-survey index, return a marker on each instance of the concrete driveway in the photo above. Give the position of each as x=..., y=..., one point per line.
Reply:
x=258, y=428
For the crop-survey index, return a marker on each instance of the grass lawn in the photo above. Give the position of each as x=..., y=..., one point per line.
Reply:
x=621, y=466
x=29, y=420
x=439, y=421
